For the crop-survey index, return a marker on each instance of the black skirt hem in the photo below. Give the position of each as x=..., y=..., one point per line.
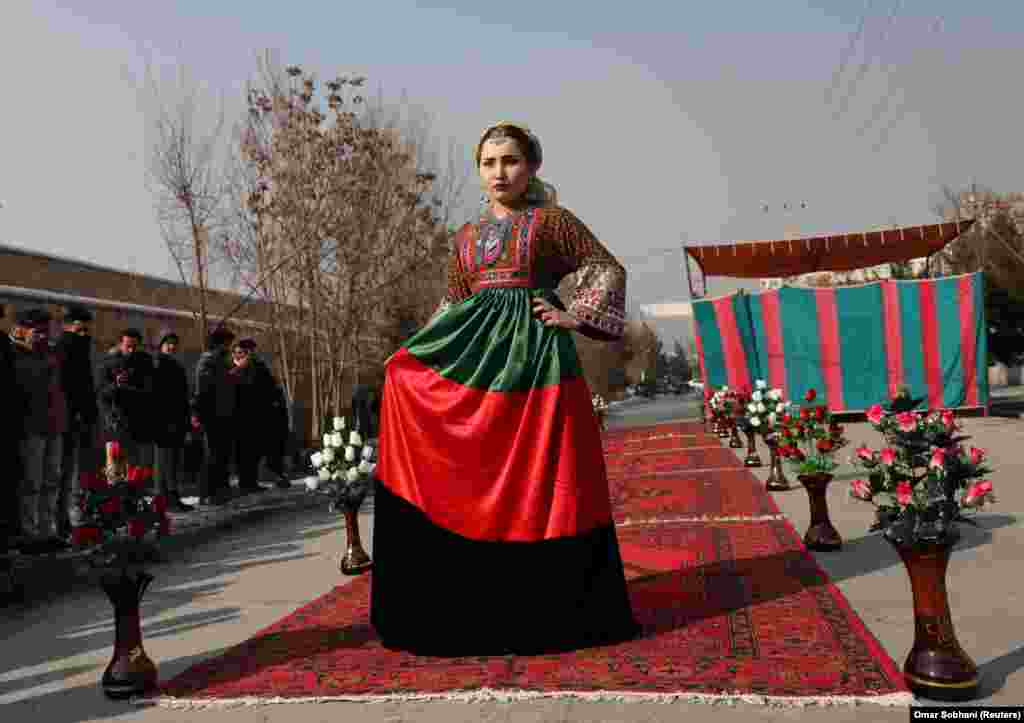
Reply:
x=441, y=594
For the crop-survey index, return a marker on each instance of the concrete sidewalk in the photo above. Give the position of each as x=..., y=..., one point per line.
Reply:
x=27, y=578
x=984, y=588
x=210, y=596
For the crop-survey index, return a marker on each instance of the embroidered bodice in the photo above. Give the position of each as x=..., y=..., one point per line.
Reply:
x=537, y=248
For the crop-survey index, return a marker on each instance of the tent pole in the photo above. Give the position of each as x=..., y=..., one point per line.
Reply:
x=689, y=276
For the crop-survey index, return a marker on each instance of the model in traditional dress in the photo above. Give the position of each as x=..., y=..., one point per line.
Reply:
x=493, y=531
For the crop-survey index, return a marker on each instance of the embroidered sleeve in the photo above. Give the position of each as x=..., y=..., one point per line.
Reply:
x=599, y=300
x=458, y=282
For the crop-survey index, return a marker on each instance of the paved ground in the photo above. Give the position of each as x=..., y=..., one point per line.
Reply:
x=218, y=593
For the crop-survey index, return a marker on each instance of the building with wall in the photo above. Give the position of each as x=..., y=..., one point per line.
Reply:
x=120, y=299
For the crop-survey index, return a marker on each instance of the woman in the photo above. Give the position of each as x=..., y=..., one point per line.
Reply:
x=493, y=531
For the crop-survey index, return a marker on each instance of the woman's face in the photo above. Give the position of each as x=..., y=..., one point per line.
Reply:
x=504, y=171
x=240, y=357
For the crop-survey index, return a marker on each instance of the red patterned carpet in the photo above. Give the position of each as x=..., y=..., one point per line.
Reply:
x=733, y=609
x=691, y=496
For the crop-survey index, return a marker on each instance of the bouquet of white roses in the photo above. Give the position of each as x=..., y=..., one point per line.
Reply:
x=765, y=409
x=344, y=468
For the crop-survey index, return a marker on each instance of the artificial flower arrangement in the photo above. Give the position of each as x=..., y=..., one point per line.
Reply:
x=723, y=406
x=345, y=470
x=115, y=512
x=113, y=516
x=765, y=409
x=924, y=480
x=810, y=438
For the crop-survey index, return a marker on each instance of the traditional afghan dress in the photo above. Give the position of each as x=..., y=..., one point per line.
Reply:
x=493, y=531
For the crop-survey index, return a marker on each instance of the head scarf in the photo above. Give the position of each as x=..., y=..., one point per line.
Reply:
x=537, y=191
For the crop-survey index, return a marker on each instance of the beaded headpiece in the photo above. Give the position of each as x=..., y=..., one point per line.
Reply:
x=537, y=191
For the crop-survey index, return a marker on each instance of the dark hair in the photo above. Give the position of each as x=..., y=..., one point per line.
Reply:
x=247, y=344
x=34, y=317
x=131, y=334
x=525, y=142
x=219, y=337
x=76, y=312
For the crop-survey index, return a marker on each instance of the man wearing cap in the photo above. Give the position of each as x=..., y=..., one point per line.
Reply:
x=43, y=408
x=79, y=448
x=171, y=414
x=213, y=408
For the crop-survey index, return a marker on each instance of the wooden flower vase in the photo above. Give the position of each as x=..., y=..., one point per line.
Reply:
x=131, y=672
x=936, y=667
x=820, y=535
x=776, y=481
x=752, y=459
x=355, y=561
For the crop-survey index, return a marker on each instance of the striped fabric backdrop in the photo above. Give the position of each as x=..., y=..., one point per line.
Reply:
x=855, y=345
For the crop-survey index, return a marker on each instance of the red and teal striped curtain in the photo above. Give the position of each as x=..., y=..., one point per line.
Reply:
x=855, y=345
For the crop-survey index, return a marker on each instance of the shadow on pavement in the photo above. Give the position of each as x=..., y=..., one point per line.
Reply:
x=80, y=623
x=995, y=672
x=86, y=702
x=871, y=553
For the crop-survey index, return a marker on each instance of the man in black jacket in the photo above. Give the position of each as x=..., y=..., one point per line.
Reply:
x=40, y=400
x=261, y=398
x=125, y=393
x=171, y=413
x=74, y=348
x=213, y=407
x=11, y=432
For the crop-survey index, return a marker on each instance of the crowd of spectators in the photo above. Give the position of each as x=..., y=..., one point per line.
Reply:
x=57, y=425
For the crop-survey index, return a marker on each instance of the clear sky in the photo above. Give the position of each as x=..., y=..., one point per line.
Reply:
x=661, y=121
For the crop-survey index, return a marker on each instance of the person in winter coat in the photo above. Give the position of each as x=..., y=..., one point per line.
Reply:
x=43, y=409
x=171, y=418
x=362, y=409
x=279, y=429
x=126, y=398
x=213, y=407
x=79, y=446
x=11, y=432
x=261, y=398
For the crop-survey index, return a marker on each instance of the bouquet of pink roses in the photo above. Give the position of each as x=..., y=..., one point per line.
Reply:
x=924, y=479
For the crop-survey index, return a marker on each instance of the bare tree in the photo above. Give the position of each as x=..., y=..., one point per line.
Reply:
x=185, y=175
x=992, y=244
x=414, y=298
x=336, y=215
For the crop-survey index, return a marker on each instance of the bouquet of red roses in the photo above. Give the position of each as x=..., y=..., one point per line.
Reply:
x=115, y=510
x=810, y=439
